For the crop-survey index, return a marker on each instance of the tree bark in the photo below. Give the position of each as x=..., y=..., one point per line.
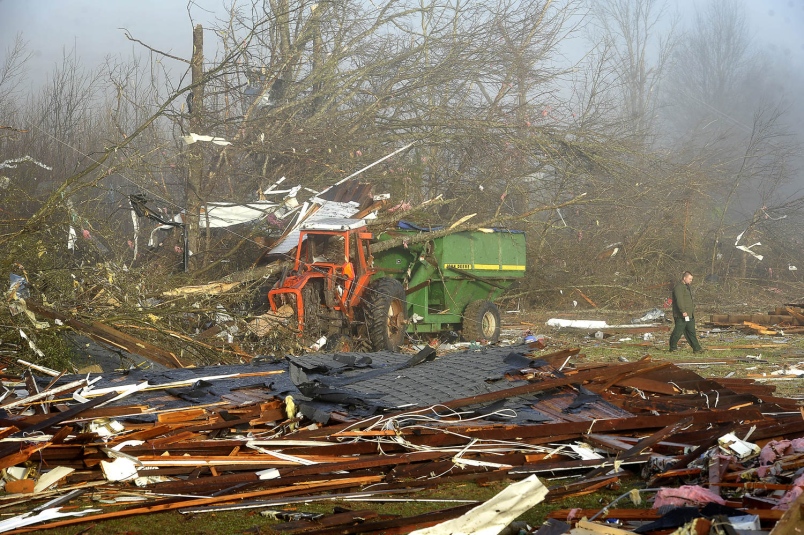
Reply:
x=195, y=174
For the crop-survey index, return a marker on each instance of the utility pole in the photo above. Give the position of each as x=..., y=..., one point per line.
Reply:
x=193, y=189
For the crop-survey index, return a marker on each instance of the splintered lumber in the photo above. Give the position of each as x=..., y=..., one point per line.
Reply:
x=547, y=466
x=367, y=495
x=585, y=298
x=11, y=453
x=302, y=488
x=681, y=472
x=762, y=319
x=649, y=385
x=584, y=486
x=553, y=432
x=796, y=314
x=645, y=443
x=759, y=329
x=626, y=374
x=109, y=335
x=607, y=443
x=75, y=385
x=370, y=462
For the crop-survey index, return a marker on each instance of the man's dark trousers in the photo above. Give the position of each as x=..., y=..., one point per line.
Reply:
x=687, y=328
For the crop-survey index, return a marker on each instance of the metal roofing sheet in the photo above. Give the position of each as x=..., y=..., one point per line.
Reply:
x=328, y=209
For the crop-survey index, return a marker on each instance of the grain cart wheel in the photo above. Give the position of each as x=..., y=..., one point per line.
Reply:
x=311, y=296
x=386, y=314
x=481, y=321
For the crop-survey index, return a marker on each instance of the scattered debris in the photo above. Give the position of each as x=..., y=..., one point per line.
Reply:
x=311, y=427
x=650, y=316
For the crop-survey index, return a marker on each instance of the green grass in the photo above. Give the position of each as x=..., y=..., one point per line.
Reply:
x=250, y=520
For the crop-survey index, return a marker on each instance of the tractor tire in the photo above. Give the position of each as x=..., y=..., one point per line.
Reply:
x=386, y=314
x=311, y=296
x=481, y=321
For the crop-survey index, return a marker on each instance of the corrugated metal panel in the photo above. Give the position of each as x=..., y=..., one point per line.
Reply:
x=328, y=209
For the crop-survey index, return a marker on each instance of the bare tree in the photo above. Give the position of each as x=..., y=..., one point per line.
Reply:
x=324, y=88
x=712, y=64
x=12, y=74
x=737, y=135
x=638, y=39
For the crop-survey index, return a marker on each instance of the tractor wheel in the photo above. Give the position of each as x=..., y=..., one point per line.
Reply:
x=386, y=314
x=481, y=321
x=311, y=296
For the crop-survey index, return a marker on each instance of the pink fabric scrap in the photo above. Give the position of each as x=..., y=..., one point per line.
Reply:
x=404, y=206
x=686, y=495
x=574, y=513
x=779, y=448
x=791, y=495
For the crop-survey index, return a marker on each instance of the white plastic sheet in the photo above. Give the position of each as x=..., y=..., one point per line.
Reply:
x=490, y=517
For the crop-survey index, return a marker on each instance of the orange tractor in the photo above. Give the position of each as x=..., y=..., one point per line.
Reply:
x=330, y=286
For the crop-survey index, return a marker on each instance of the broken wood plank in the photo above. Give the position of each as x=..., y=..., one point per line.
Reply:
x=648, y=385
x=315, y=486
x=585, y=298
x=607, y=443
x=75, y=385
x=759, y=329
x=645, y=443
x=584, y=486
x=109, y=335
x=791, y=521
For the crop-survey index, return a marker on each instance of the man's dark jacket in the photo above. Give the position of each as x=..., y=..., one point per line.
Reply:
x=682, y=301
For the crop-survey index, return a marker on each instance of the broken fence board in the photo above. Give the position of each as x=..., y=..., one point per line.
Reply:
x=316, y=486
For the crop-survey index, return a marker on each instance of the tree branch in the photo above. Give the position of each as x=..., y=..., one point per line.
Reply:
x=128, y=36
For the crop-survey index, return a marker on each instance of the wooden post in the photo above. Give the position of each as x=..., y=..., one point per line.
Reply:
x=193, y=189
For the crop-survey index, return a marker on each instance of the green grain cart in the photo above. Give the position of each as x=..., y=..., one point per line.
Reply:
x=452, y=280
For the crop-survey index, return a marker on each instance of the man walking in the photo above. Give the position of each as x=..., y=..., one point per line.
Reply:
x=684, y=315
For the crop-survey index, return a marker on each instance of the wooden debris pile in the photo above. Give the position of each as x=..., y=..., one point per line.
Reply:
x=787, y=319
x=332, y=425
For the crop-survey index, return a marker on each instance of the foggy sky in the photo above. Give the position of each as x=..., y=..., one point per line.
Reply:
x=92, y=28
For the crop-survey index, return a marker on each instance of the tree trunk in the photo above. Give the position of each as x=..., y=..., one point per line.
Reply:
x=193, y=189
